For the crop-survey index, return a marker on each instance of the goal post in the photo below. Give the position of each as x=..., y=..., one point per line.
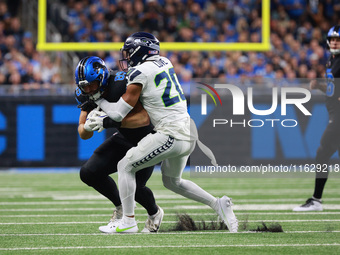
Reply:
x=43, y=45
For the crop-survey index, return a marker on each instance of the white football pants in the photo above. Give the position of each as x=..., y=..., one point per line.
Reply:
x=151, y=150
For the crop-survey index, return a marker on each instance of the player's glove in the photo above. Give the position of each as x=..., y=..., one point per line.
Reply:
x=94, y=121
x=88, y=106
x=84, y=101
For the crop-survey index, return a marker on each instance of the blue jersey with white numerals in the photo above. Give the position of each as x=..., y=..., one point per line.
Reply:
x=115, y=89
x=333, y=84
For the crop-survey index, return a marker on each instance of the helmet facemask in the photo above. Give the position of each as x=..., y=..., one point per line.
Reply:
x=94, y=95
x=334, y=32
x=124, y=62
x=334, y=51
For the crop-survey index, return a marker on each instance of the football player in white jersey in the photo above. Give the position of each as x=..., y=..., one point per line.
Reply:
x=152, y=80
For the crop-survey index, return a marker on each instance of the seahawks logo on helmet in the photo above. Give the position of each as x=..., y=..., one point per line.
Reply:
x=138, y=48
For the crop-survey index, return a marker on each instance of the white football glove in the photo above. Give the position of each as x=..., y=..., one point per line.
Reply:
x=94, y=121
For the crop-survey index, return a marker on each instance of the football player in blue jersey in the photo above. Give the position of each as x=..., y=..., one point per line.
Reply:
x=95, y=80
x=330, y=141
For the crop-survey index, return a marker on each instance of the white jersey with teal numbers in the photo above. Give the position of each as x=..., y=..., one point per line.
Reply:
x=162, y=97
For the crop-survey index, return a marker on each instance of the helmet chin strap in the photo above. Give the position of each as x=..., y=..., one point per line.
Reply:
x=332, y=51
x=335, y=51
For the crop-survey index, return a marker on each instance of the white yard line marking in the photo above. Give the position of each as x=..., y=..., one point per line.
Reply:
x=170, y=246
x=66, y=195
x=162, y=201
x=163, y=222
x=57, y=209
x=245, y=207
x=172, y=233
x=257, y=207
x=57, y=203
x=106, y=202
x=10, y=189
x=167, y=214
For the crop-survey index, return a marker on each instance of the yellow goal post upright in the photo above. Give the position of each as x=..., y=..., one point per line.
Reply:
x=264, y=45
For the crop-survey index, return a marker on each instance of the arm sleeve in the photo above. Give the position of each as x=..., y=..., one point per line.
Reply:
x=110, y=123
x=116, y=111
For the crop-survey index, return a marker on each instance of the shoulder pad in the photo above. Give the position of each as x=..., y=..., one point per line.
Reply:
x=120, y=76
x=133, y=73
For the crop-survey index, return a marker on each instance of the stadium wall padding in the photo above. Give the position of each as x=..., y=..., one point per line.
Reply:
x=38, y=131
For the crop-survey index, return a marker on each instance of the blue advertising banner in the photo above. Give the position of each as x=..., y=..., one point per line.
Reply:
x=42, y=131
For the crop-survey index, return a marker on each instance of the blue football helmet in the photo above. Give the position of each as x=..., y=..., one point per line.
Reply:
x=138, y=48
x=91, y=69
x=333, y=32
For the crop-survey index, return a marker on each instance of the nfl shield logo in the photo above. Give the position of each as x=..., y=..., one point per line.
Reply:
x=153, y=51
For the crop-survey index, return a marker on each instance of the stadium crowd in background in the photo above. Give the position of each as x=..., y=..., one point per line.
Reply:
x=20, y=62
x=298, y=32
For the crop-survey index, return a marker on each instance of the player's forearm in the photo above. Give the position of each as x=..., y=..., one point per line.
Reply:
x=136, y=119
x=116, y=111
x=81, y=131
x=133, y=121
x=83, y=134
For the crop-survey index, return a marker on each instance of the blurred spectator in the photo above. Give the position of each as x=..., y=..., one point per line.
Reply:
x=20, y=64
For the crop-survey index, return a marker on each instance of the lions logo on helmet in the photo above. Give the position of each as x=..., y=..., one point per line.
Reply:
x=138, y=47
x=334, y=32
x=91, y=69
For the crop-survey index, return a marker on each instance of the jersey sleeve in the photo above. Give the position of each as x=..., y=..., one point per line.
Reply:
x=116, y=87
x=134, y=75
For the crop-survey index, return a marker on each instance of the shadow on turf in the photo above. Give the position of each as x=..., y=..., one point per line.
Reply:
x=272, y=227
x=186, y=223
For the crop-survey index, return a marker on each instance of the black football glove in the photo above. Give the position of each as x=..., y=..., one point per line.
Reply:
x=84, y=101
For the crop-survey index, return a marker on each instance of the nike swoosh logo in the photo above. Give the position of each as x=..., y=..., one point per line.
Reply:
x=121, y=230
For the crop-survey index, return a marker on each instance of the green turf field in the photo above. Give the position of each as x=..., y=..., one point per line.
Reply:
x=56, y=213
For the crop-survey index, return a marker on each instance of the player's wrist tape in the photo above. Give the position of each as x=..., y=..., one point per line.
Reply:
x=116, y=111
x=110, y=123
